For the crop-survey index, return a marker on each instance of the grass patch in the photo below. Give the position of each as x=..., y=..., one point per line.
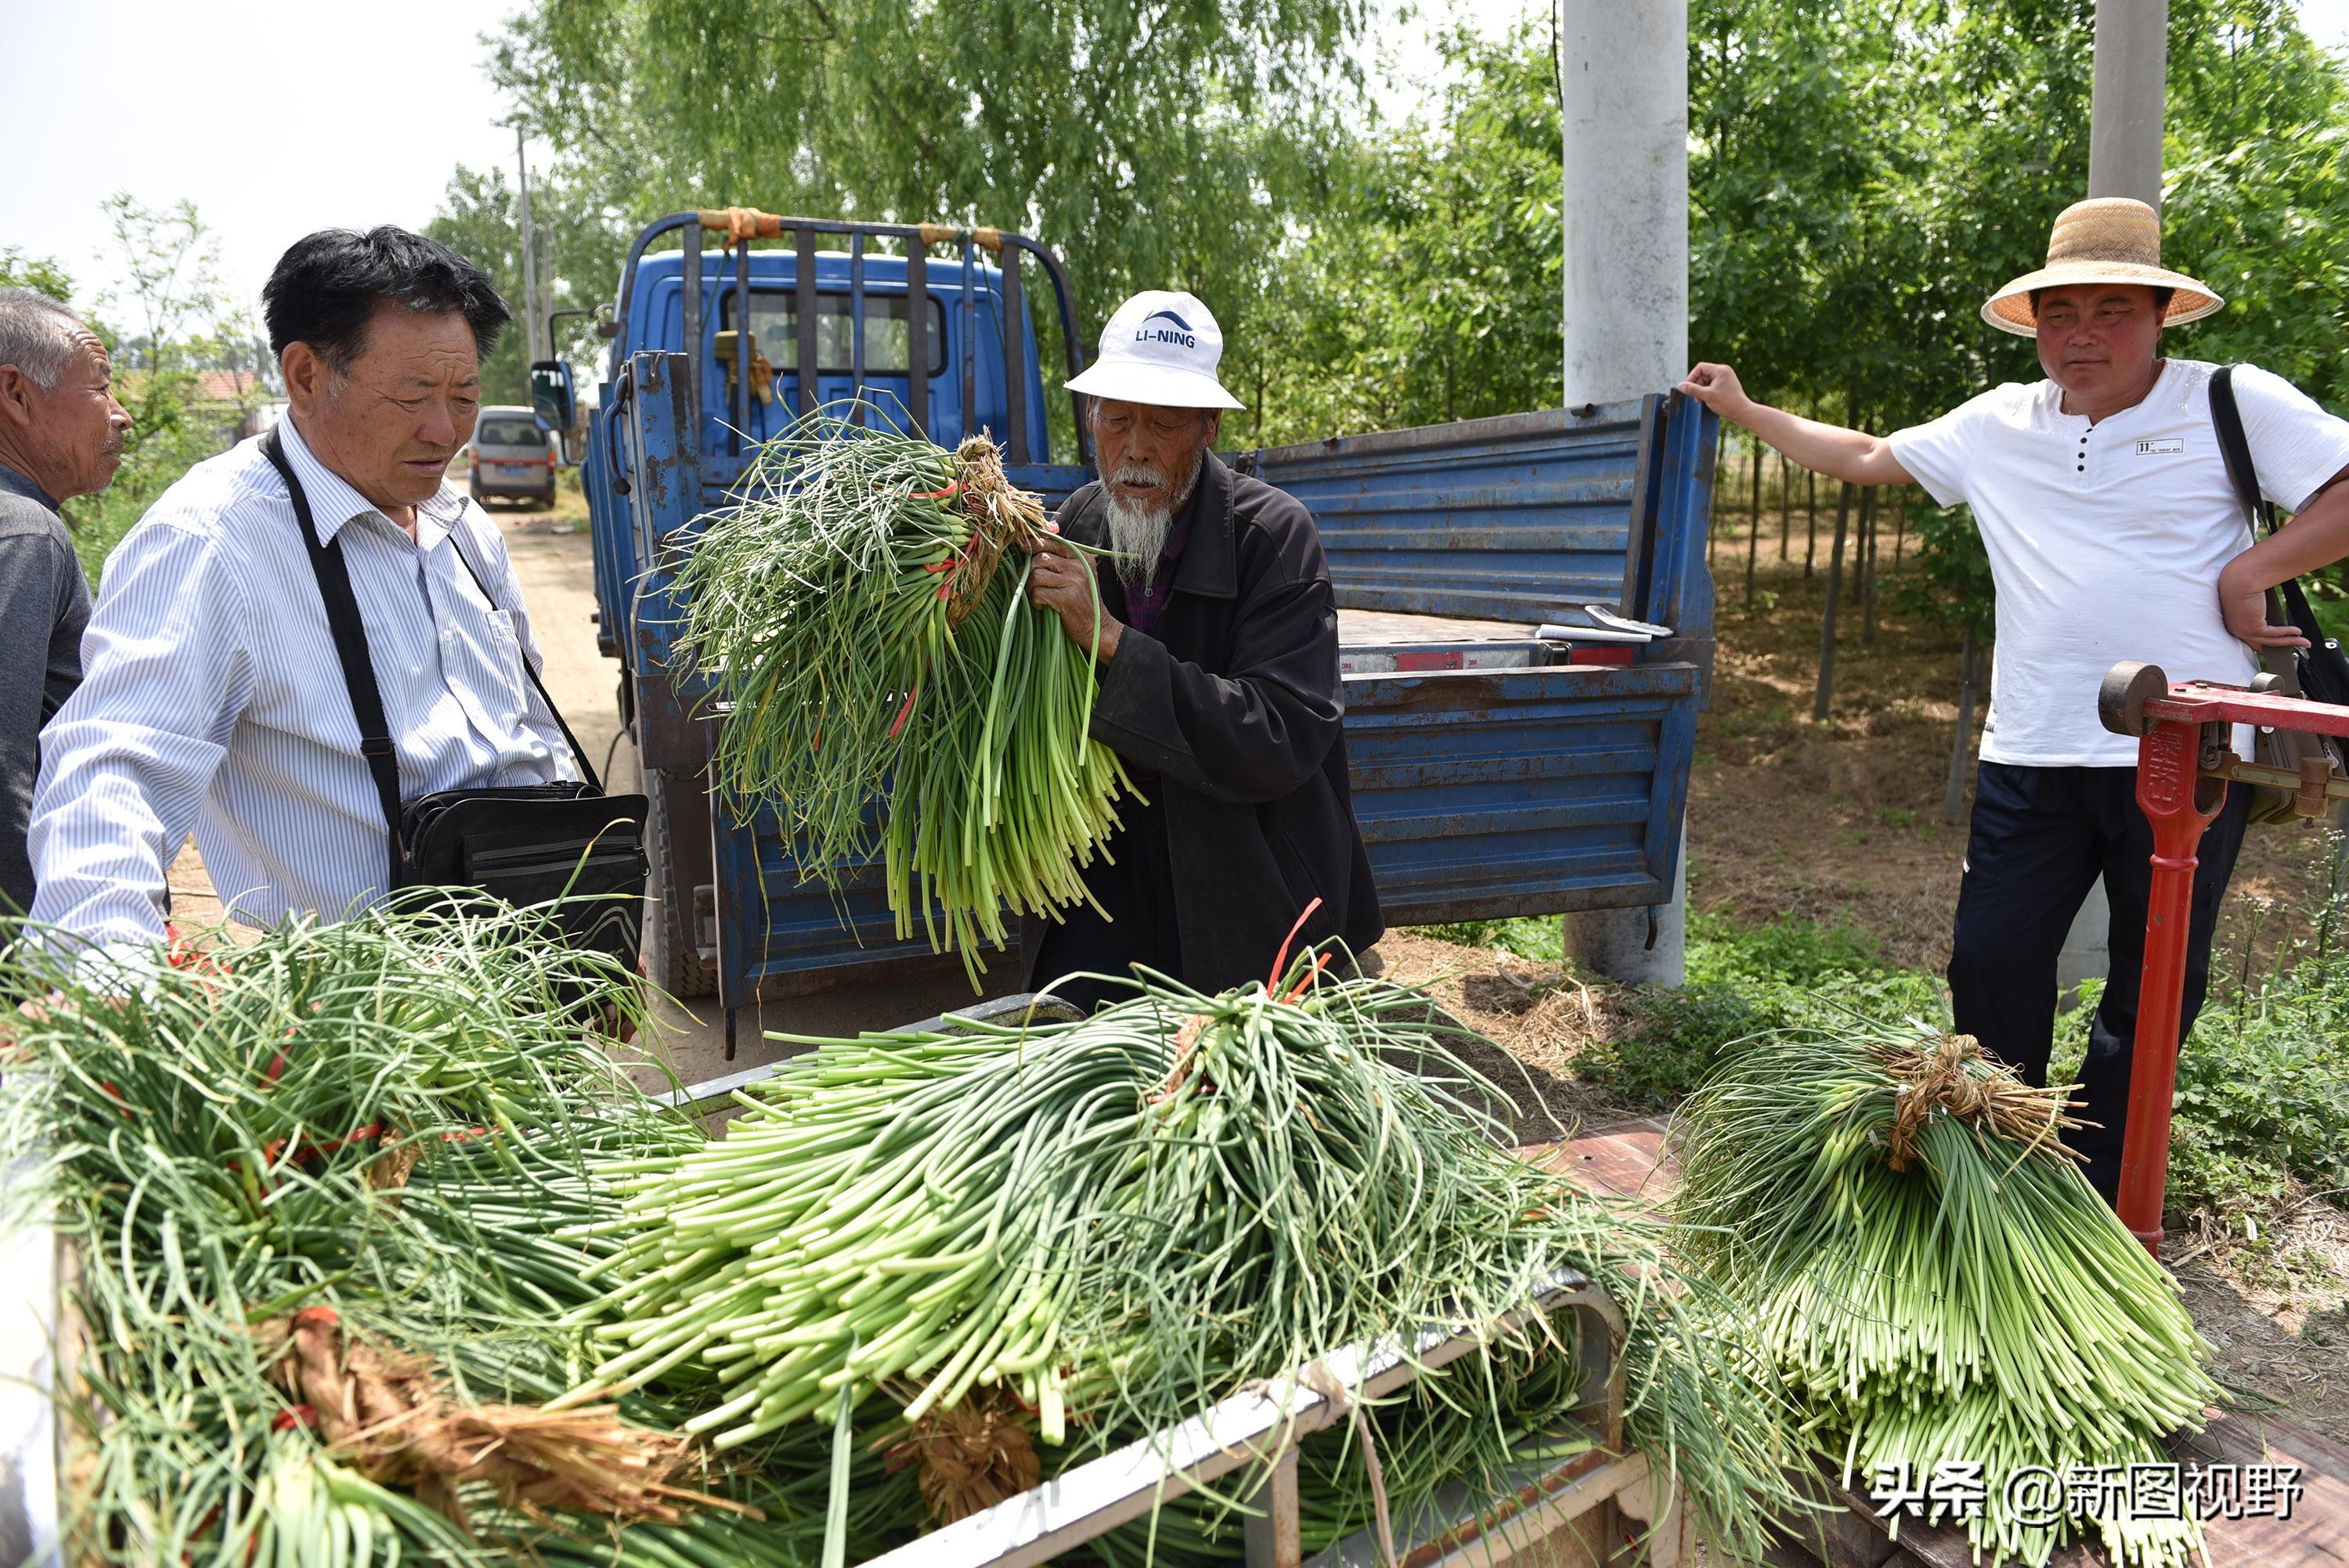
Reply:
x=1749, y=980
x=1742, y=980
x=1538, y=938
x=2263, y=1082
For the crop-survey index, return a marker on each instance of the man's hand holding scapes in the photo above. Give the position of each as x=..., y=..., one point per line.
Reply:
x=1061, y=581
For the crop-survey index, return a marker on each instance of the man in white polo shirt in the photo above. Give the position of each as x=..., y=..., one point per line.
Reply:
x=2113, y=534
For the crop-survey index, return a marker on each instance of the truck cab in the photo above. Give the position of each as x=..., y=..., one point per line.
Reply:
x=657, y=322
x=1524, y=609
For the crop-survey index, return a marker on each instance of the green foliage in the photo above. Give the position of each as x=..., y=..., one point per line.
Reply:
x=2263, y=1084
x=166, y=441
x=40, y=273
x=1538, y=938
x=189, y=325
x=1156, y=146
x=1949, y=581
x=1862, y=172
x=1747, y=980
x=1428, y=290
x=2263, y=1081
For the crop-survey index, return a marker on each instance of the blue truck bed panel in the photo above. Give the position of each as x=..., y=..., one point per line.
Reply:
x=1490, y=793
x=1519, y=517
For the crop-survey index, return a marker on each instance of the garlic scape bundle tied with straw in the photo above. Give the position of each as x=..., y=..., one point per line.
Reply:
x=863, y=609
x=1899, y=1217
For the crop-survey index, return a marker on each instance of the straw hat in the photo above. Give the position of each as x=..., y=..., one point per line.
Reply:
x=2105, y=240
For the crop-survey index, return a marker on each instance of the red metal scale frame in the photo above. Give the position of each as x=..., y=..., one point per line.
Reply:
x=2185, y=762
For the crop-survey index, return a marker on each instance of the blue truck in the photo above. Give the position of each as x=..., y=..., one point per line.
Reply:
x=1514, y=748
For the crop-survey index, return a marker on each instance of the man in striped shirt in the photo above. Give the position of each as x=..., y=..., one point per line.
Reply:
x=213, y=701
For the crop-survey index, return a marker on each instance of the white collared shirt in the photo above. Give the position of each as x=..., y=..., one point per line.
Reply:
x=2106, y=542
x=213, y=701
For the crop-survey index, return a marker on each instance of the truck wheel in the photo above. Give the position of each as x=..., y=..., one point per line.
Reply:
x=672, y=948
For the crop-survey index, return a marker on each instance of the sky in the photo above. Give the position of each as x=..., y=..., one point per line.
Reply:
x=259, y=112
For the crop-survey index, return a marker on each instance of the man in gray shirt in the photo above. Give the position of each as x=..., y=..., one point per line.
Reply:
x=61, y=434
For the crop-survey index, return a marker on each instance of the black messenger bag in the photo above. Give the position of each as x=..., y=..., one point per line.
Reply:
x=2318, y=672
x=524, y=845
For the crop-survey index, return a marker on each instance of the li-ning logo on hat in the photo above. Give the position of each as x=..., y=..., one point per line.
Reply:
x=1180, y=333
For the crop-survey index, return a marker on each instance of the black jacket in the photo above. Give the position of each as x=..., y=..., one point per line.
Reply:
x=1236, y=702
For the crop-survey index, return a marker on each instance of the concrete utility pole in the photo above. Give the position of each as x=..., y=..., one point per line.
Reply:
x=2123, y=160
x=2132, y=84
x=532, y=323
x=1622, y=72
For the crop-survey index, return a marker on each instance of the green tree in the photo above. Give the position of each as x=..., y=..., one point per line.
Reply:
x=1426, y=286
x=185, y=319
x=40, y=273
x=478, y=219
x=1153, y=146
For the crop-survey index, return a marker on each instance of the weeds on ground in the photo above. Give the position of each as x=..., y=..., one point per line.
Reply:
x=2263, y=1082
x=1747, y=980
x=1742, y=980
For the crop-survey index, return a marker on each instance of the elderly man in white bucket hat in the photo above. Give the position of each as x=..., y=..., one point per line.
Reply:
x=2113, y=532
x=1217, y=659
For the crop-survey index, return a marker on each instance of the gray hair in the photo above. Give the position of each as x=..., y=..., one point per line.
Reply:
x=37, y=336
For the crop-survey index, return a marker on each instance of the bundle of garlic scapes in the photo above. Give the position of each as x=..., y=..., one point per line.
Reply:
x=862, y=608
x=1896, y=1214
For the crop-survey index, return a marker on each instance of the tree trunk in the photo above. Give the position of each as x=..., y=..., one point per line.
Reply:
x=1827, y=622
x=1860, y=516
x=1785, y=511
x=1954, y=792
x=1721, y=480
x=1811, y=539
x=1754, y=533
x=1899, y=529
x=1858, y=545
x=1868, y=534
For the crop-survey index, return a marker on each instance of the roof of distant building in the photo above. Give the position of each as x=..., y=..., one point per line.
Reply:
x=226, y=386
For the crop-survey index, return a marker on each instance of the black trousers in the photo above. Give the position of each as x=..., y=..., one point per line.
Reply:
x=2040, y=838
x=1136, y=887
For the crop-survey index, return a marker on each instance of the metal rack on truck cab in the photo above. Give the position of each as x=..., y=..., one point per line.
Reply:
x=1524, y=609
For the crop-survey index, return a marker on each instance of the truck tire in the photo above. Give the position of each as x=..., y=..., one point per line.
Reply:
x=672, y=949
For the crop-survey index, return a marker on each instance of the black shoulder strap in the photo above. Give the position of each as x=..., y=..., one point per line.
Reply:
x=2287, y=601
x=578, y=753
x=2237, y=450
x=351, y=647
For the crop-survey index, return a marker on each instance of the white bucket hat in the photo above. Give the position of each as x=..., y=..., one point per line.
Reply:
x=1160, y=348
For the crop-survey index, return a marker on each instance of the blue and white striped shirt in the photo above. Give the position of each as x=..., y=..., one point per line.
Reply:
x=213, y=701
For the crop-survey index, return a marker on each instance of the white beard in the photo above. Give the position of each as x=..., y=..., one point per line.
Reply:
x=1138, y=533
